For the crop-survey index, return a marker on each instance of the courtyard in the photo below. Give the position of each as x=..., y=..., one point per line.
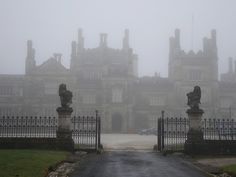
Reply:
x=128, y=141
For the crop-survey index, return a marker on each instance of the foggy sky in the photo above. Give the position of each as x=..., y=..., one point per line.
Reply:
x=53, y=24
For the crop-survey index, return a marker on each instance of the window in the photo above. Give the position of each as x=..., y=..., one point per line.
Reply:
x=6, y=90
x=51, y=88
x=205, y=95
x=116, y=95
x=89, y=99
x=195, y=75
x=157, y=101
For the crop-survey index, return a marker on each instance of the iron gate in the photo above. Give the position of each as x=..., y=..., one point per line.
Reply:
x=172, y=133
x=86, y=131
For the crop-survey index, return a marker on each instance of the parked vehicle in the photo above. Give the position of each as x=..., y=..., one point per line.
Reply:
x=149, y=131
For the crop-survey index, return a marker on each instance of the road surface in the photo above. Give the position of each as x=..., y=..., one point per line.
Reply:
x=134, y=164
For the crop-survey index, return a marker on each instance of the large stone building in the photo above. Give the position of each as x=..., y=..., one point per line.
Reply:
x=107, y=80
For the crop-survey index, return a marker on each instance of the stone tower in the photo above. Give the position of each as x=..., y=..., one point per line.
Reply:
x=187, y=69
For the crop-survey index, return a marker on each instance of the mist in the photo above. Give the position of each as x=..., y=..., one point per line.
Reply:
x=52, y=25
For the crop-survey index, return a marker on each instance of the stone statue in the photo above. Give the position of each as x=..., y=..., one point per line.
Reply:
x=65, y=96
x=194, y=98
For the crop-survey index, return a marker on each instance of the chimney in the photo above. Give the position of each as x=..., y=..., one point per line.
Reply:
x=30, y=62
x=30, y=50
x=235, y=66
x=80, y=39
x=73, y=49
x=58, y=56
x=177, y=38
x=103, y=40
x=213, y=37
x=126, y=40
x=230, y=65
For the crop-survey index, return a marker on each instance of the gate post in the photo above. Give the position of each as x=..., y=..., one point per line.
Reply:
x=99, y=132
x=64, y=130
x=162, y=131
x=195, y=142
x=160, y=134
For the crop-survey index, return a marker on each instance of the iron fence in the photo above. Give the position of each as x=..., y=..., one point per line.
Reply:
x=172, y=132
x=86, y=130
x=219, y=129
x=28, y=127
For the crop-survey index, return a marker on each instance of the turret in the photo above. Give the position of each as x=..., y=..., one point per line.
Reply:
x=209, y=44
x=230, y=65
x=174, y=44
x=213, y=38
x=126, y=40
x=30, y=62
x=73, y=55
x=103, y=40
x=235, y=66
x=177, y=38
x=80, y=40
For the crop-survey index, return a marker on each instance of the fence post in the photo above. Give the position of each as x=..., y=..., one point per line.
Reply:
x=159, y=134
x=96, y=118
x=162, y=130
x=99, y=132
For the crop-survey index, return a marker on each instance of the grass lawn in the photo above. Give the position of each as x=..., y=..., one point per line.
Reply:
x=28, y=163
x=231, y=169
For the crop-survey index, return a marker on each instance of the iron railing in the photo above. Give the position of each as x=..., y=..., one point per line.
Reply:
x=219, y=129
x=86, y=130
x=28, y=127
x=172, y=132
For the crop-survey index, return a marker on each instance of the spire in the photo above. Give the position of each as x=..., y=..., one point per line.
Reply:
x=30, y=62
x=126, y=39
x=80, y=39
x=103, y=40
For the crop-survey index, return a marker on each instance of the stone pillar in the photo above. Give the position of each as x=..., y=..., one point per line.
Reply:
x=195, y=133
x=64, y=122
x=64, y=131
x=195, y=141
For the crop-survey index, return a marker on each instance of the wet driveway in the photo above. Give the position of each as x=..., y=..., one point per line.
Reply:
x=134, y=164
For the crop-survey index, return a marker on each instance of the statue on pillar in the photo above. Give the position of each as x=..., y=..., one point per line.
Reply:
x=65, y=96
x=194, y=98
x=195, y=138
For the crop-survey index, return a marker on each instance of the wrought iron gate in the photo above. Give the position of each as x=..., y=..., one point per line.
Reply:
x=86, y=131
x=172, y=133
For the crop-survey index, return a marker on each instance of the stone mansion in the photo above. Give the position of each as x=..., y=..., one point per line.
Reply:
x=107, y=80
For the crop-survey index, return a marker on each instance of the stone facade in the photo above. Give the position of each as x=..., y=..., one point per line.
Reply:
x=107, y=80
